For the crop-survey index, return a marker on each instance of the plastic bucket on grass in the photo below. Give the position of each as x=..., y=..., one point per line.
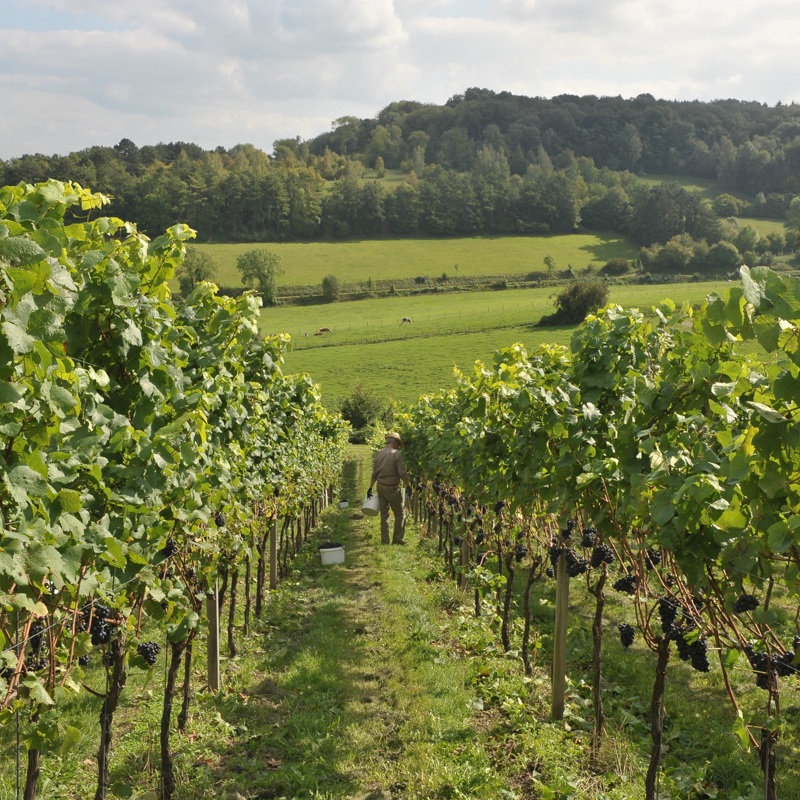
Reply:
x=331, y=553
x=371, y=506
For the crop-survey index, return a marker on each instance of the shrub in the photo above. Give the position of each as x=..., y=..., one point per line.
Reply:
x=330, y=288
x=365, y=409
x=576, y=301
x=616, y=266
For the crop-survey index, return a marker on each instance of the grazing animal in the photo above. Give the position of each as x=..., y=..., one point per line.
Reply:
x=323, y=330
x=318, y=333
x=406, y=319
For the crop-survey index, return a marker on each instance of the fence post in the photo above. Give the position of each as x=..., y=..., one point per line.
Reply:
x=273, y=554
x=212, y=612
x=559, y=681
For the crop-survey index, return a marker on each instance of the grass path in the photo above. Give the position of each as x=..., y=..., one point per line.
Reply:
x=367, y=696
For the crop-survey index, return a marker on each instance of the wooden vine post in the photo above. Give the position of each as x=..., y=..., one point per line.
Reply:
x=212, y=612
x=273, y=554
x=559, y=680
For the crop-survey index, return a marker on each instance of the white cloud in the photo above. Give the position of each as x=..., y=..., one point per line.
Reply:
x=226, y=71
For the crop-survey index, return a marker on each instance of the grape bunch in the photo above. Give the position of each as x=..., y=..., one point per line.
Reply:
x=35, y=663
x=36, y=637
x=747, y=602
x=549, y=572
x=480, y=536
x=520, y=551
x=589, y=537
x=169, y=549
x=457, y=541
x=101, y=627
x=652, y=557
x=567, y=532
x=576, y=565
x=698, y=655
x=601, y=554
x=627, y=633
x=668, y=609
x=149, y=652
x=762, y=665
x=627, y=584
x=219, y=519
x=783, y=664
x=555, y=554
x=499, y=506
x=676, y=635
x=83, y=661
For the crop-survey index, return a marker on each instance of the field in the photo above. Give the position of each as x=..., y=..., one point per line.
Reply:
x=307, y=263
x=368, y=343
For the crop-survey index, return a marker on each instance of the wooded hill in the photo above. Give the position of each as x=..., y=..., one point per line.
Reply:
x=482, y=163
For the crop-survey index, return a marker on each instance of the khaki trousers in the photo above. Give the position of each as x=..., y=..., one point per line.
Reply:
x=391, y=497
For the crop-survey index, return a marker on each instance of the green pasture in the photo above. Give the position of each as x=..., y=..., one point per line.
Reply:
x=763, y=226
x=307, y=263
x=706, y=186
x=368, y=343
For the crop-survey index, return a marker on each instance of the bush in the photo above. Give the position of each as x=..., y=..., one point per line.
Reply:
x=576, y=301
x=616, y=266
x=365, y=409
x=330, y=288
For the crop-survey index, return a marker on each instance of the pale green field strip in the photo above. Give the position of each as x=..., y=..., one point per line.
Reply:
x=366, y=321
x=307, y=263
x=423, y=361
x=404, y=370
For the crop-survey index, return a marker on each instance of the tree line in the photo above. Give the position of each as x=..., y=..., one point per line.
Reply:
x=483, y=163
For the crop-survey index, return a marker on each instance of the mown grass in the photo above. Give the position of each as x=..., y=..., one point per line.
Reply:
x=369, y=344
x=307, y=263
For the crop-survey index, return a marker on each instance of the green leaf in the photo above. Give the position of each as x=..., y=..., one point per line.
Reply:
x=114, y=554
x=63, y=399
x=177, y=633
x=18, y=340
x=70, y=500
x=36, y=691
x=71, y=737
x=769, y=414
x=24, y=481
x=20, y=250
x=779, y=537
x=10, y=393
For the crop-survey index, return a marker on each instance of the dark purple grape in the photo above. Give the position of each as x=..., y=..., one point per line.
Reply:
x=627, y=633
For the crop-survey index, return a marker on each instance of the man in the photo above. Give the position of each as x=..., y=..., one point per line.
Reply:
x=389, y=471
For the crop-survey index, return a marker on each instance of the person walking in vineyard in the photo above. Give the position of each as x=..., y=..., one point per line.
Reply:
x=388, y=472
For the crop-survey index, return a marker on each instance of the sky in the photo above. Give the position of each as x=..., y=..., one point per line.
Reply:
x=78, y=73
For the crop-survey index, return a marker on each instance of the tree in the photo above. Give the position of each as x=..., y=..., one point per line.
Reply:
x=330, y=288
x=363, y=409
x=793, y=215
x=576, y=301
x=260, y=269
x=198, y=266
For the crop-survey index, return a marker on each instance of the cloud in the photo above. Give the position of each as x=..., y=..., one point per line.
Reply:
x=227, y=71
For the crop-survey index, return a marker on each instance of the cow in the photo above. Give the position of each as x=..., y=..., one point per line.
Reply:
x=323, y=330
x=406, y=319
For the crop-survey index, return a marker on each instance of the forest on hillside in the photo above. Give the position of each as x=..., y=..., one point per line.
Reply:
x=482, y=163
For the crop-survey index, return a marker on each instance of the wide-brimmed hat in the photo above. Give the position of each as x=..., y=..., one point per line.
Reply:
x=395, y=436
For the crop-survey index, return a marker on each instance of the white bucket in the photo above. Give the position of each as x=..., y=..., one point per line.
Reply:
x=344, y=504
x=332, y=555
x=371, y=506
